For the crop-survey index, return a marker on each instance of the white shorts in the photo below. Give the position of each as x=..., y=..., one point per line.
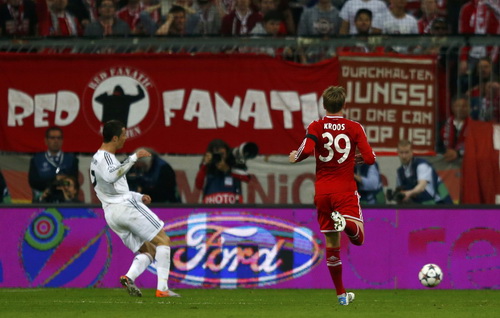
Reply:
x=133, y=222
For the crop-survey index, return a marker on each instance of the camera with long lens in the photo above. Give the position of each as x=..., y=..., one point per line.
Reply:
x=245, y=151
x=395, y=195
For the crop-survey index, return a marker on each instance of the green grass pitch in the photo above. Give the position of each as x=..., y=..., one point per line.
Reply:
x=275, y=303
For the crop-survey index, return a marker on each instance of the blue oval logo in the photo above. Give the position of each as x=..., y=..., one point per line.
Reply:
x=239, y=249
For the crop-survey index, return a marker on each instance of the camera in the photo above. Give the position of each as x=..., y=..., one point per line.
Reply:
x=216, y=157
x=245, y=151
x=395, y=195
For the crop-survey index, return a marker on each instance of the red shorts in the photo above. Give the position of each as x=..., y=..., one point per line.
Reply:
x=346, y=203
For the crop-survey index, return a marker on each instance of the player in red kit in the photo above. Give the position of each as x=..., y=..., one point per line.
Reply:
x=334, y=140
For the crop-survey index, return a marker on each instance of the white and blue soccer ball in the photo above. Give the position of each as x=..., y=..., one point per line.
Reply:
x=430, y=275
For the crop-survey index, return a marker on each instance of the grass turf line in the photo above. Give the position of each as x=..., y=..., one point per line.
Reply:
x=280, y=303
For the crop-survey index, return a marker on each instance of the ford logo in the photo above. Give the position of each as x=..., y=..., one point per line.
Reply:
x=239, y=249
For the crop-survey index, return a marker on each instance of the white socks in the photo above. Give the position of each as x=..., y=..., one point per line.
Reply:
x=162, y=266
x=139, y=265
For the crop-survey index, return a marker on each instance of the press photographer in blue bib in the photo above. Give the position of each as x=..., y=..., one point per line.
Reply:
x=46, y=166
x=222, y=171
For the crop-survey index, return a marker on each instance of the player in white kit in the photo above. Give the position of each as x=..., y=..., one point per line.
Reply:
x=126, y=212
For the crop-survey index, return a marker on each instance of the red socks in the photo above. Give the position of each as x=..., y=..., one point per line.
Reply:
x=334, y=264
x=356, y=236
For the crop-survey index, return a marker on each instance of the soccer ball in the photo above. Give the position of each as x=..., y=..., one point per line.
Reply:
x=430, y=275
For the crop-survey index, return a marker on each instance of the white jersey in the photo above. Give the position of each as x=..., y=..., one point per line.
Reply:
x=108, y=178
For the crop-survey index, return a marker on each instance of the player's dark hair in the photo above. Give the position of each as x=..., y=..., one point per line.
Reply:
x=53, y=128
x=363, y=11
x=334, y=99
x=112, y=128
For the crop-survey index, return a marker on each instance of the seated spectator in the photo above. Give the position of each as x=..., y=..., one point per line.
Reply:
x=397, y=21
x=363, y=23
x=429, y=13
x=206, y=20
x=131, y=14
x=369, y=183
x=85, y=11
x=241, y=20
x=18, y=18
x=454, y=129
x=155, y=177
x=175, y=24
x=56, y=20
x=270, y=26
x=287, y=25
x=322, y=19
x=476, y=17
x=417, y=181
x=108, y=24
x=45, y=166
x=351, y=7
x=483, y=73
x=63, y=190
x=485, y=102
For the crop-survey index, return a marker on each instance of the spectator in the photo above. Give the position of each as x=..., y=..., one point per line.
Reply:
x=454, y=129
x=45, y=166
x=220, y=175
x=369, y=183
x=363, y=23
x=241, y=20
x=56, y=20
x=397, y=21
x=417, y=180
x=485, y=102
x=483, y=73
x=351, y=7
x=85, y=11
x=175, y=23
x=476, y=17
x=429, y=13
x=271, y=24
x=18, y=18
x=108, y=24
x=131, y=14
x=155, y=177
x=322, y=19
x=62, y=190
x=287, y=25
x=206, y=20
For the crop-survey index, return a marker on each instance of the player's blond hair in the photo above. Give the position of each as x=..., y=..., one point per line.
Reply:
x=334, y=98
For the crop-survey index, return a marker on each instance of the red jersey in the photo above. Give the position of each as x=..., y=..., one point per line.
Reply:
x=333, y=140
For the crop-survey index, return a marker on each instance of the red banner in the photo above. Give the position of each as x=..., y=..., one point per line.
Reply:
x=175, y=103
x=179, y=103
x=394, y=97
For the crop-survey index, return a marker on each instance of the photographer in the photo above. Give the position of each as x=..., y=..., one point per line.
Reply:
x=64, y=189
x=369, y=183
x=417, y=181
x=155, y=177
x=222, y=171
